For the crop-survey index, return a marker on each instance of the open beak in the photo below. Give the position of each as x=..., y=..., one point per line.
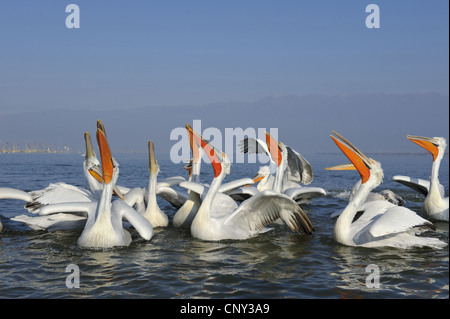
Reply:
x=105, y=154
x=194, y=145
x=343, y=167
x=95, y=170
x=89, y=149
x=359, y=160
x=209, y=150
x=96, y=173
x=152, y=163
x=258, y=177
x=426, y=143
x=274, y=150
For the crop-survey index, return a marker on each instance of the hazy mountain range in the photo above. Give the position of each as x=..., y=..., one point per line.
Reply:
x=374, y=122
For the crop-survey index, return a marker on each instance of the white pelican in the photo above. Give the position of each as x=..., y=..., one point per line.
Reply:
x=251, y=217
x=185, y=215
x=381, y=223
x=435, y=205
x=61, y=192
x=104, y=228
x=292, y=168
x=147, y=197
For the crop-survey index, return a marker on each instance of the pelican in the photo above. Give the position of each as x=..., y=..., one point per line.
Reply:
x=61, y=192
x=12, y=193
x=151, y=210
x=211, y=223
x=104, y=228
x=382, y=224
x=292, y=168
x=435, y=205
x=185, y=215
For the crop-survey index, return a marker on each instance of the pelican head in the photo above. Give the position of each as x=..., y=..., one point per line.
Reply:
x=435, y=145
x=368, y=168
x=263, y=172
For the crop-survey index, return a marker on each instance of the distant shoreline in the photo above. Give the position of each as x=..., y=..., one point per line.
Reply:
x=34, y=151
x=134, y=152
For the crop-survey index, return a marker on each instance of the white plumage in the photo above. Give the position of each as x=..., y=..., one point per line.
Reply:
x=251, y=217
x=381, y=223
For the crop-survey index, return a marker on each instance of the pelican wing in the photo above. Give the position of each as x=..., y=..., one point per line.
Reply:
x=72, y=207
x=419, y=185
x=265, y=208
x=136, y=198
x=299, y=170
x=195, y=187
x=252, y=145
x=230, y=186
x=57, y=193
x=60, y=221
x=176, y=199
x=12, y=193
x=396, y=219
x=139, y=222
x=175, y=180
x=242, y=193
x=304, y=193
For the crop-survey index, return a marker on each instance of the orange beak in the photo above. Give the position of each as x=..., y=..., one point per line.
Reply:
x=274, y=150
x=105, y=154
x=256, y=179
x=209, y=150
x=426, y=143
x=343, y=167
x=194, y=146
x=95, y=172
x=355, y=157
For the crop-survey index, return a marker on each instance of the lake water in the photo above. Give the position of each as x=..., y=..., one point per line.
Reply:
x=278, y=264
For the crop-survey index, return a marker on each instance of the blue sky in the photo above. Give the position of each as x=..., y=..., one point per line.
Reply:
x=154, y=53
